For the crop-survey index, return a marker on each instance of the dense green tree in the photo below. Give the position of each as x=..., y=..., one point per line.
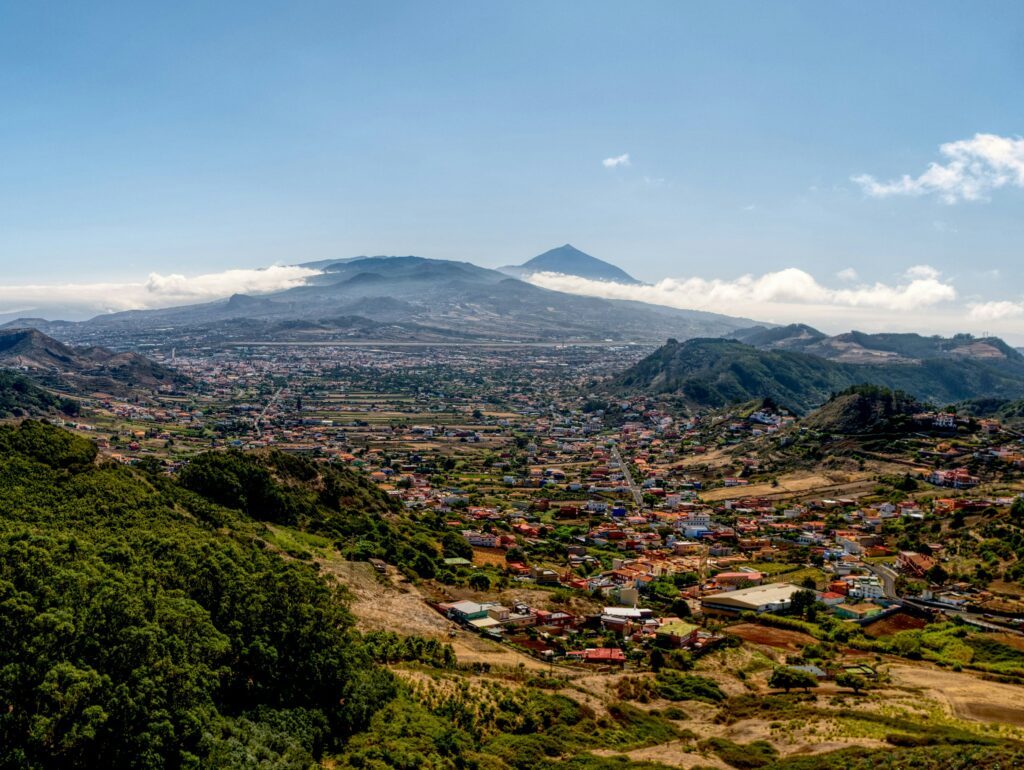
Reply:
x=787, y=678
x=801, y=601
x=852, y=681
x=455, y=546
x=143, y=625
x=479, y=582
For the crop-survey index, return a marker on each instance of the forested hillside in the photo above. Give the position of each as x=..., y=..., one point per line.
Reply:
x=1009, y=412
x=863, y=409
x=145, y=624
x=20, y=397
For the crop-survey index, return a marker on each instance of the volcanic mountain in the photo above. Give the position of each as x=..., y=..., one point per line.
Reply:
x=569, y=260
x=407, y=298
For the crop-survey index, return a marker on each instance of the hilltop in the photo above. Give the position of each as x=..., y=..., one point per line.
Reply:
x=885, y=348
x=718, y=372
x=569, y=260
x=863, y=409
x=83, y=369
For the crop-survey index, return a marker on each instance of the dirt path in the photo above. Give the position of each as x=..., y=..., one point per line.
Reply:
x=673, y=754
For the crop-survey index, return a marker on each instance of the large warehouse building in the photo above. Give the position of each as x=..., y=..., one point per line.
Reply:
x=772, y=597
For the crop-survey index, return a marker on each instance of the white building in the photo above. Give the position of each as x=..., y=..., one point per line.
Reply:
x=772, y=597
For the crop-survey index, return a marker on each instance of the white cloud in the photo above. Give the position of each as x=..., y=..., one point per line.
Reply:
x=154, y=292
x=922, y=301
x=849, y=274
x=973, y=168
x=995, y=311
x=791, y=286
x=618, y=160
x=922, y=271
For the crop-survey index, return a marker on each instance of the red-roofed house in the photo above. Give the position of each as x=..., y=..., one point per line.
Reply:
x=600, y=655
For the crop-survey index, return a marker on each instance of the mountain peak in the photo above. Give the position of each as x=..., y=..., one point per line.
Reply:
x=569, y=260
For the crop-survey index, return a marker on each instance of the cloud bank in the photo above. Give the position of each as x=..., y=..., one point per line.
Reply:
x=973, y=168
x=922, y=301
x=923, y=287
x=155, y=292
x=995, y=311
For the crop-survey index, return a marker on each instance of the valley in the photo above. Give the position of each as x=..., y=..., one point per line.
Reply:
x=325, y=444
x=560, y=541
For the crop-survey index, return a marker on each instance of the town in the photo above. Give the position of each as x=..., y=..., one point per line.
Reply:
x=582, y=528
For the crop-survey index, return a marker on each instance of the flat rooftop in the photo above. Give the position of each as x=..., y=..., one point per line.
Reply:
x=755, y=596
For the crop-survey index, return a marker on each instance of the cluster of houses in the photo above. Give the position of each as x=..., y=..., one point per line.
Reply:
x=637, y=625
x=957, y=478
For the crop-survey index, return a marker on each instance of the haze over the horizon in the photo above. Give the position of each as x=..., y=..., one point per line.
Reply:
x=837, y=165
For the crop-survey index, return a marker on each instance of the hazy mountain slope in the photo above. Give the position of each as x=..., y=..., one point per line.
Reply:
x=861, y=348
x=791, y=337
x=92, y=368
x=569, y=260
x=714, y=373
x=417, y=299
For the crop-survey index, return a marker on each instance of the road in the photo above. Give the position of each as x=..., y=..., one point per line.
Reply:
x=638, y=495
x=262, y=414
x=888, y=576
x=346, y=343
x=974, y=618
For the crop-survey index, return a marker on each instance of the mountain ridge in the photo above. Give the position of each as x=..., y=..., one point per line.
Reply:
x=857, y=347
x=52, y=362
x=720, y=372
x=412, y=298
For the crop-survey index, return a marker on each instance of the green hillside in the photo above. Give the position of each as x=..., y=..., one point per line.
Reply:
x=1009, y=412
x=863, y=409
x=20, y=397
x=717, y=372
x=143, y=626
x=145, y=623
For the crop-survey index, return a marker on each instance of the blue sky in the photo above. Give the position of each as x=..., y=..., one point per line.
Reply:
x=198, y=137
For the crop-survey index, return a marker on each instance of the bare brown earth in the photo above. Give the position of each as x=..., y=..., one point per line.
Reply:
x=382, y=603
x=772, y=637
x=894, y=623
x=793, y=483
x=386, y=603
x=919, y=691
x=964, y=695
x=1011, y=640
x=492, y=556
